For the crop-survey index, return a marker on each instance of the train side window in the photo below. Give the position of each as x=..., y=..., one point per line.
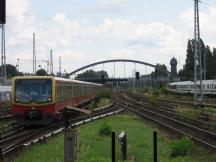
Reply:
x=60, y=93
x=61, y=90
x=72, y=90
x=65, y=93
x=75, y=90
x=80, y=90
x=57, y=93
x=69, y=91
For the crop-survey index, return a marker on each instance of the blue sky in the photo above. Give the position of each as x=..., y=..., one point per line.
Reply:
x=86, y=31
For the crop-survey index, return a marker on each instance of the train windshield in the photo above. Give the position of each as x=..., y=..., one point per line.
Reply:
x=35, y=90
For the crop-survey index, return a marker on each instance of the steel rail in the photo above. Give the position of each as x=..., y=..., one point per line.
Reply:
x=57, y=128
x=198, y=139
x=174, y=114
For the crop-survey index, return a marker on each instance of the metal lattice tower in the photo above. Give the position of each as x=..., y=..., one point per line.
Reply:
x=34, y=55
x=197, y=56
x=3, y=53
x=51, y=63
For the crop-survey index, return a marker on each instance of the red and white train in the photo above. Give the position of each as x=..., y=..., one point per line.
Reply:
x=38, y=100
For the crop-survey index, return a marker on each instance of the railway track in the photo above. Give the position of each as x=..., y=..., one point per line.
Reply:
x=177, y=102
x=168, y=110
x=202, y=136
x=5, y=113
x=23, y=137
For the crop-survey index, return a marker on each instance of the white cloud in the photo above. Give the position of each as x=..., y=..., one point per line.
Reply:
x=83, y=43
x=106, y=6
x=207, y=24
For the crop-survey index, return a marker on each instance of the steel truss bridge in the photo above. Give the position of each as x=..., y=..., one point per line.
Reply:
x=119, y=60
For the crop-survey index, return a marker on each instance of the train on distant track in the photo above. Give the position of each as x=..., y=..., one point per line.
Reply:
x=187, y=87
x=38, y=100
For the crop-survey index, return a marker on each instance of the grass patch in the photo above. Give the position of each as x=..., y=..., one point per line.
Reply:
x=103, y=99
x=96, y=148
x=180, y=147
x=103, y=102
x=4, y=123
x=104, y=94
x=105, y=129
x=153, y=101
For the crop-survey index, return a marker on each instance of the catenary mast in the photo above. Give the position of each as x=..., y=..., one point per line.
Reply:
x=197, y=56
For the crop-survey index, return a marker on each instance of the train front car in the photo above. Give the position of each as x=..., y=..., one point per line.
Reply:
x=33, y=100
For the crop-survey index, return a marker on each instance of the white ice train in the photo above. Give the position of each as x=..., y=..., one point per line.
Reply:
x=5, y=93
x=187, y=87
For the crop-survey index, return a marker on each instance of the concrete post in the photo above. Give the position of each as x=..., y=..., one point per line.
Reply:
x=70, y=145
x=123, y=145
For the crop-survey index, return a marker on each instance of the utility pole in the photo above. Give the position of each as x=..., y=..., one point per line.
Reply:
x=197, y=55
x=34, y=55
x=3, y=53
x=51, y=63
x=2, y=25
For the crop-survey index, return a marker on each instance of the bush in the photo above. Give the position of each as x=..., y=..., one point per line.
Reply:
x=156, y=92
x=164, y=90
x=153, y=101
x=146, y=90
x=180, y=147
x=105, y=130
x=92, y=105
x=104, y=94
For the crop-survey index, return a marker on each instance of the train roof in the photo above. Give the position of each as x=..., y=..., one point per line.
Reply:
x=191, y=83
x=56, y=78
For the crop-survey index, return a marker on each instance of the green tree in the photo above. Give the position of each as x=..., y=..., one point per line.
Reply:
x=159, y=71
x=41, y=72
x=187, y=73
x=10, y=70
x=92, y=74
x=213, y=64
x=209, y=63
x=189, y=63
